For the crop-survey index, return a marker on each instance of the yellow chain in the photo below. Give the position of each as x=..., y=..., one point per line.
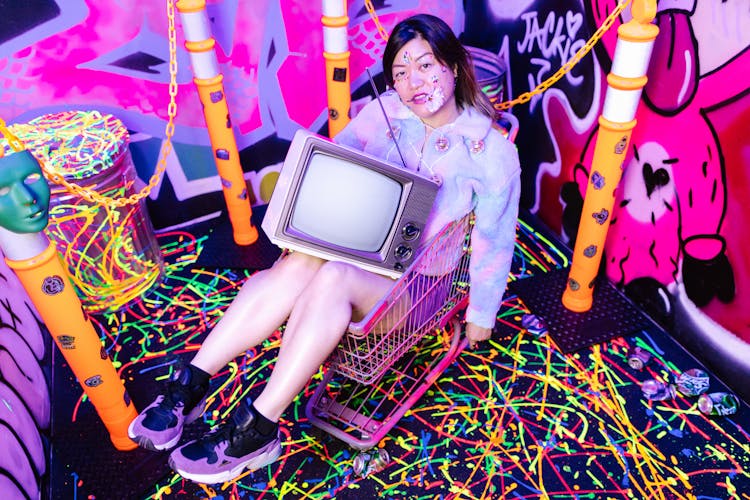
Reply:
x=93, y=196
x=565, y=68
x=376, y=20
x=14, y=142
x=526, y=96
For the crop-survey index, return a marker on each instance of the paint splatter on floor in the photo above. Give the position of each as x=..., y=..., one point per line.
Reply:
x=516, y=418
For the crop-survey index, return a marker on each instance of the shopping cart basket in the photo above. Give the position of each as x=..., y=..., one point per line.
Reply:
x=385, y=362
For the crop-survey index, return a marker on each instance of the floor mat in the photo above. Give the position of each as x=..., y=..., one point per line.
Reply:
x=611, y=314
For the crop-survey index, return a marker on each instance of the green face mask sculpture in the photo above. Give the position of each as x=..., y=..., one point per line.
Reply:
x=24, y=194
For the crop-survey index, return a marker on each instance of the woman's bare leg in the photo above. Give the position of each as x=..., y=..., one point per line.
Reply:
x=337, y=293
x=261, y=306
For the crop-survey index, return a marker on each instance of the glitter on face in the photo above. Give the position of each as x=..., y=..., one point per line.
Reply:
x=436, y=99
x=423, y=82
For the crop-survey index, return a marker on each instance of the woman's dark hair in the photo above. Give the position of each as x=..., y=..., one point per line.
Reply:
x=447, y=49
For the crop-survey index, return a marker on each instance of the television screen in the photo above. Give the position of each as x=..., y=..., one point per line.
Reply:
x=339, y=203
x=345, y=204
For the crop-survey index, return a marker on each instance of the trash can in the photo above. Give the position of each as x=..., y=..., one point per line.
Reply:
x=490, y=72
x=110, y=251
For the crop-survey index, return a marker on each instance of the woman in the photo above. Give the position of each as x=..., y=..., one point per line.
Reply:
x=444, y=126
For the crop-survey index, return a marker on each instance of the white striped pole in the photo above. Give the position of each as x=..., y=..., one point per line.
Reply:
x=208, y=79
x=625, y=82
x=336, y=54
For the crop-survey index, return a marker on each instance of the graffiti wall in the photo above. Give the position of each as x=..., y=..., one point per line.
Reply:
x=24, y=390
x=676, y=229
x=116, y=58
x=677, y=224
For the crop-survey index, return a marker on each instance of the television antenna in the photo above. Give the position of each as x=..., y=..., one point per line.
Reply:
x=393, y=135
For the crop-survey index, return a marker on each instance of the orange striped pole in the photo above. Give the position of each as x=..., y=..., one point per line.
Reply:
x=46, y=281
x=24, y=212
x=207, y=78
x=336, y=54
x=625, y=82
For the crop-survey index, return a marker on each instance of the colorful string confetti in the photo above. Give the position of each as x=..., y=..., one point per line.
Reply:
x=111, y=252
x=515, y=419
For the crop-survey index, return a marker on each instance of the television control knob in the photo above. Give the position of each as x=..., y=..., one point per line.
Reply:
x=410, y=231
x=403, y=252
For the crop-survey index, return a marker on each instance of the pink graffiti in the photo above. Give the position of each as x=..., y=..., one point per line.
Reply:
x=24, y=392
x=263, y=62
x=670, y=222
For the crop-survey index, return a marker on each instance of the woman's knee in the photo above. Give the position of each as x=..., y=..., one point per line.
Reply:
x=299, y=264
x=332, y=273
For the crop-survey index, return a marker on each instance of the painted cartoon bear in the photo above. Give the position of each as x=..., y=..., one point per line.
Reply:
x=670, y=206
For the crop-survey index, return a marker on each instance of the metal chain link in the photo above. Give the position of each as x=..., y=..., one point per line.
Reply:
x=14, y=142
x=374, y=15
x=565, y=68
x=94, y=196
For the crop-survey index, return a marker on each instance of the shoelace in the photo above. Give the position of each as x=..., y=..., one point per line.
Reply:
x=228, y=430
x=225, y=431
x=164, y=411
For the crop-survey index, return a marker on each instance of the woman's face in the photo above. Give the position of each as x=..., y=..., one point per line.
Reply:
x=424, y=84
x=24, y=194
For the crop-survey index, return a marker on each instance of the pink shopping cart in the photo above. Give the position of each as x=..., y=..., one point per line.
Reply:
x=378, y=371
x=386, y=362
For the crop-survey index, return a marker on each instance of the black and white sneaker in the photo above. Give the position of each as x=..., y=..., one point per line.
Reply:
x=159, y=426
x=227, y=450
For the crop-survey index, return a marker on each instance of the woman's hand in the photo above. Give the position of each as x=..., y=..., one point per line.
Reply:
x=477, y=334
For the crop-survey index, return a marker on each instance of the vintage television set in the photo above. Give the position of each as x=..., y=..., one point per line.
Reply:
x=338, y=203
